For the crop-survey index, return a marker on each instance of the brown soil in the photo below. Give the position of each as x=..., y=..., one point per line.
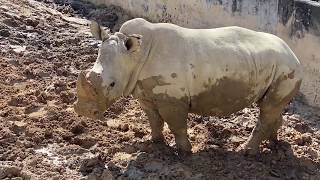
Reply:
x=44, y=45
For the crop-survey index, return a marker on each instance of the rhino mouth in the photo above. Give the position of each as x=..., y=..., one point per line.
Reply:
x=88, y=109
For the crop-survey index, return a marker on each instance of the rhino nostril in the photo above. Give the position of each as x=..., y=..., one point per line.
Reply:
x=112, y=84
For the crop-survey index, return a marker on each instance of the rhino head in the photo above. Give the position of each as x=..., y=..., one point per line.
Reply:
x=109, y=77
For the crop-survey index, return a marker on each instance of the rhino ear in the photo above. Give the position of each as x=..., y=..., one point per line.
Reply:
x=133, y=42
x=98, y=32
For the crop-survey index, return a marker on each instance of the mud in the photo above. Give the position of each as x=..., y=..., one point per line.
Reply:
x=44, y=46
x=221, y=99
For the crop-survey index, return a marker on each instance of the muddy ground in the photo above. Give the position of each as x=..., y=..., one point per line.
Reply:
x=43, y=46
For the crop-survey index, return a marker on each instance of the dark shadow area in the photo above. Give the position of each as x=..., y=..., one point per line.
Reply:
x=108, y=16
x=277, y=162
x=310, y=114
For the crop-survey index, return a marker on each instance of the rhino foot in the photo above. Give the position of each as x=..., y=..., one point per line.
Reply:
x=248, y=149
x=158, y=139
x=182, y=154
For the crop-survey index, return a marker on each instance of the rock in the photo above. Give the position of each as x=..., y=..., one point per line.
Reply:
x=303, y=139
x=138, y=132
x=198, y=177
x=90, y=164
x=42, y=73
x=92, y=177
x=106, y=175
x=18, y=127
x=274, y=173
x=313, y=153
x=302, y=127
x=78, y=127
x=307, y=138
x=14, y=62
x=32, y=22
x=5, y=33
x=153, y=166
x=124, y=127
x=76, y=20
x=85, y=141
x=67, y=97
x=133, y=173
x=17, y=178
x=18, y=49
x=9, y=171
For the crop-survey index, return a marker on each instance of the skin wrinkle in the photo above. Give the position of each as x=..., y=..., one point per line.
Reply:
x=135, y=73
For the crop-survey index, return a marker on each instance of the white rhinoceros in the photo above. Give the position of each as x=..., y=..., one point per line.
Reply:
x=174, y=71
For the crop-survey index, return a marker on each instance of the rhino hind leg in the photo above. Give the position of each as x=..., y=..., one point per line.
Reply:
x=280, y=93
x=155, y=121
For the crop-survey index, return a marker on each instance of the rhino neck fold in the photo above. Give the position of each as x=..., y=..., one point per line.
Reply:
x=136, y=71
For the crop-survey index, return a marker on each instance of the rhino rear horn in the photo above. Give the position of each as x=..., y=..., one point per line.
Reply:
x=84, y=88
x=98, y=32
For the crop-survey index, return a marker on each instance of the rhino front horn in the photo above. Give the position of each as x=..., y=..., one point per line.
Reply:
x=84, y=87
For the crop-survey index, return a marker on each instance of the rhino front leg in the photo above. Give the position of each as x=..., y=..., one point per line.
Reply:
x=175, y=114
x=155, y=120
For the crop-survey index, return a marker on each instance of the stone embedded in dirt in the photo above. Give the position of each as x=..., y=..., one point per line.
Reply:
x=107, y=175
x=98, y=174
x=122, y=158
x=17, y=178
x=9, y=171
x=67, y=97
x=18, y=127
x=17, y=101
x=138, y=132
x=303, y=139
x=90, y=164
x=236, y=140
x=18, y=49
x=124, y=127
x=5, y=32
x=84, y=141
x=65, y=134
x=76, y=20
x=302, y=127
x=31, y=108
x=78, y=127
x=133, y=173
x=41, y=73
x=13, y=62
x=313, y=153
x=31, y=22
x=153, y=166
x=42, y=97
x=274, y=173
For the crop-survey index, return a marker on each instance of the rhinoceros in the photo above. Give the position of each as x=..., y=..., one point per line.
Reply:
x=173, y=71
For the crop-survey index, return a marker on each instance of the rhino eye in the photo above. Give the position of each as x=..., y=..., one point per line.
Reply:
x=112, y=84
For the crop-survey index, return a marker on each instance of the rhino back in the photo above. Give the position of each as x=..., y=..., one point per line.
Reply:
x=215, y=71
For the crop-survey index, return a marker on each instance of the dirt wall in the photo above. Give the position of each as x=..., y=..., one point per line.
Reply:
x=297, y=22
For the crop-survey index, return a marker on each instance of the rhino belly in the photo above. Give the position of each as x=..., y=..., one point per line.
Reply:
x=225, y=97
